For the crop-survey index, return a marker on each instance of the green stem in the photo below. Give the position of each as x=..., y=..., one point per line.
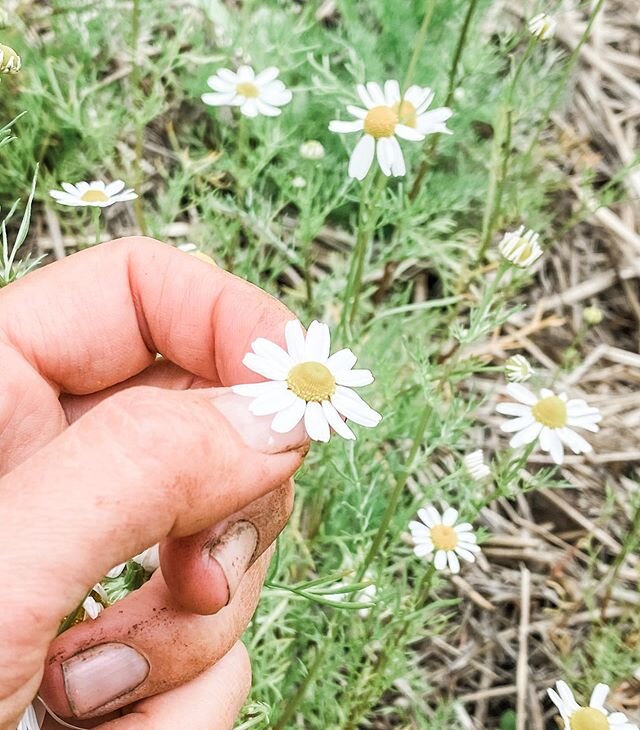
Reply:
x=563, y=79
x=629, y=545
x=419, y=44
x=298, y=695
x=430, y=148
x=501, y=157
x=138, y=206
x=95, y=213
x=394, y=498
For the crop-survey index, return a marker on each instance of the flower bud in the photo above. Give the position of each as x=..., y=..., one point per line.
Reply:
x=592, y=316
x=542, y=26
x=299, y=182
x=312, y=150
x=10, y=62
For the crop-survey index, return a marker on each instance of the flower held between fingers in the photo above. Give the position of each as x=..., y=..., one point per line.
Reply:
x=306, y=382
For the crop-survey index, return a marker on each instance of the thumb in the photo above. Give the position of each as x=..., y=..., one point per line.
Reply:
x=143, y=465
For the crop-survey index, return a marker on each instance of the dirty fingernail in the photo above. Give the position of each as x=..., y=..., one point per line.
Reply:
x=234, y=551
x=101, y=674
x=256, y=431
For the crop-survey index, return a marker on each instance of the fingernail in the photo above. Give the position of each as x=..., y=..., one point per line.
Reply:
x=256, y=431
x=102, y=674
x=233, y=551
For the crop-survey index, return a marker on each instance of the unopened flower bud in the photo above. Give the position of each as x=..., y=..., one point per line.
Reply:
x=10, y=62
x=592, y=316
x=312, y=150
x=299, y=182
x=542, y=26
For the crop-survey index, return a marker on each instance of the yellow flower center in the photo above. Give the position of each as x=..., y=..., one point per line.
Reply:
x=94, y=196
x=380, y=121
x=588, y=719
x=443, y=537
x=406, y=112
x=311, y=381
x=525, y=250
x=248, y=90
x=550, y=411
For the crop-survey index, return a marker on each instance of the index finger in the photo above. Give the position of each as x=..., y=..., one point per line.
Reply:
x=100, y=316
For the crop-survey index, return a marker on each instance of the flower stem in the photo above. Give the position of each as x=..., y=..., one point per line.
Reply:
x=501, y=157
x=430, y=148
x=419, y=44
x=367, y=219
x=138, y=206
x=394, y=498
x=563, y=80
x=95, y=213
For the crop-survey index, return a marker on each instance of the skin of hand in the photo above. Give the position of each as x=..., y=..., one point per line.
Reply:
x=105, y=449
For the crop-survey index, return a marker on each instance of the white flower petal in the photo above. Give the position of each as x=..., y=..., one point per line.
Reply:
x=269, y=74
x=384, y=155
x=228, y=75
x=422, y=550
x=434, y=121
x=574, y=441
x=449, y=516
x=398, y=168
x=376, y=94
x=555, y=448
x=271, y=403
x=513, y=409
x=440, y=560
x=354, y=378
x=463, y=527
x=466, y=554
x=345, y=127
x=526, y=436
x=317, y=344
x=316, y=423
x=267, y=368
x=69, y=188
x=336, y=422
x=294, y=336
x=520, y=393
x=392, y=93
x=598, y=696
x=364, y=96
x=410, y=133
x=276, y=97
x=270, y=351
x=356, y=111
x=362, y=157
x=288, y=419
x=245, y=73
x=341, y=361
x=567, y=697
x=255, y=390
x=348, y=403
x=116, y=571
x=454, y=563
x=114, y=188
x=430, y=516
x=267, y=110
x=249, y=108
x=419, y=531
x=224, y=86
x=517, y=424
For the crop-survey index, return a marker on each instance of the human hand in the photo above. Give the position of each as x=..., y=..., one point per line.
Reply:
x=106, y=451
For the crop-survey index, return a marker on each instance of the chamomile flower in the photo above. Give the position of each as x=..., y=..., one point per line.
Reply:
x=305, y=382
x=518, y=369
x=29, y=721
x=549, y=419
x=388, y=115
x=95, y=194
x=542, y=26
x=475, y=466
x=438, y=535
x=311, y=150
x=10, y=61
x=520, y=248
x=594, y=717
x=253, y=93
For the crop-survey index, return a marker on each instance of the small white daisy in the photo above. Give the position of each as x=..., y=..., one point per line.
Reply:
x=594, y=717
x=438, y=535
x=548, y=419
x=254, y=94
x=518, y=369
x=520, y=248
x=10, y=61
x=29, y=721
x=542, y=26
x=306, y=382
x=312, y=150
x=388, y=115
x=95, y=194
x=474, y=464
